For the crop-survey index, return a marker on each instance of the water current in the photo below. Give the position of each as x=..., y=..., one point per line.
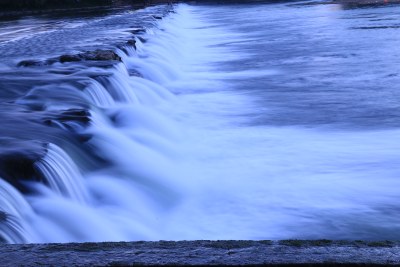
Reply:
x=250, y=121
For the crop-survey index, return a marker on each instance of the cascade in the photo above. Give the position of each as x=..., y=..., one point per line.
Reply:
x=215, y=124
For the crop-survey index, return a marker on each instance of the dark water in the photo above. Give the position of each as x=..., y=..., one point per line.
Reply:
x=256, y=121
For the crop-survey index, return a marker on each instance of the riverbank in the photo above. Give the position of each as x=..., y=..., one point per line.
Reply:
x=12, y=9
x=227, y=253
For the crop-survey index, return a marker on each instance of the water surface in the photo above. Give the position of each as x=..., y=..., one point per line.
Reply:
x=251, y=121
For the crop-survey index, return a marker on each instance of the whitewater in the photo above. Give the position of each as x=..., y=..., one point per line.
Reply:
x=255, y=121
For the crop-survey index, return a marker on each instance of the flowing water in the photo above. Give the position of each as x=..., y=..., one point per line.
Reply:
x=252, y=121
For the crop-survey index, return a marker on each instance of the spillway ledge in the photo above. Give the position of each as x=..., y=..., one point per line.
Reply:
x=196, y=253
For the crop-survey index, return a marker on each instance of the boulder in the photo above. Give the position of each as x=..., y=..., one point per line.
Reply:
x=97, y=55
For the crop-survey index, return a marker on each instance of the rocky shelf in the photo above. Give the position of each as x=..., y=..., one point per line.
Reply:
x=196, y=253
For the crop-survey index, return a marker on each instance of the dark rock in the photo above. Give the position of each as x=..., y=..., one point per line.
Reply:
x=36, y=63
x=132, y=43
x=71, y=119
x=97, y=55
x=70, y=58
x=157, y=17
x=17, y=158
x=30, y=63
x=138, y=30
x=3, y=216
x=100, y=55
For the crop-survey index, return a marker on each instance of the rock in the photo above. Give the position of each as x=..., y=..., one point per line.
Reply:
x=3, y=216
x=97, y=55
x=75, y=115
x=100, y=55
x=36, y=63
x=30, y=63
x=132, y=43
x=69, y=58
x=17, y=158
x=157, y=17
x=71, y=120
x=138, y=30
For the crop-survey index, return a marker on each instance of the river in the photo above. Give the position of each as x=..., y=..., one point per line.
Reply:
x=251, y=121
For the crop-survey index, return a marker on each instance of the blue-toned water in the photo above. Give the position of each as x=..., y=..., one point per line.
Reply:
x=251, y=121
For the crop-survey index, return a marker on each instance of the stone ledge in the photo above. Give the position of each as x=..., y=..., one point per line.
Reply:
x=196, y=253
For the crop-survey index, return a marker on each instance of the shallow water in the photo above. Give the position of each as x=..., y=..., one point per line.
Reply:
x=258, y=121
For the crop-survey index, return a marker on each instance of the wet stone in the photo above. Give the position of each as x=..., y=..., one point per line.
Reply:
x=131, y=43
x=17, y=158
x=138, y=30
x=3, y=216
x=97, y=55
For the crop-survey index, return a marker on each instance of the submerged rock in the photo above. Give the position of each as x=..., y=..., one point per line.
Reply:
x=70, y=119
x=138, y=30
x=36, y=63
x=3, y=216
x=136, y=73
x=131, y=43
x=29, y=63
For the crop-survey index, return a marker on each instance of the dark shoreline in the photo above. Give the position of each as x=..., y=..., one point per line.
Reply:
x=17, y=8
x=10, y=9
x=200, y=253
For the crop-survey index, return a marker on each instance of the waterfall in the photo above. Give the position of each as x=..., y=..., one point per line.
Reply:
x=62, y=175
x=15, y=213
x=124, y=197
x=142, y=171
x=204, y=130
x=99, y=95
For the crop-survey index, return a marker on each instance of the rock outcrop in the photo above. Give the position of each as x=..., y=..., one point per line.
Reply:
x=96, y=55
